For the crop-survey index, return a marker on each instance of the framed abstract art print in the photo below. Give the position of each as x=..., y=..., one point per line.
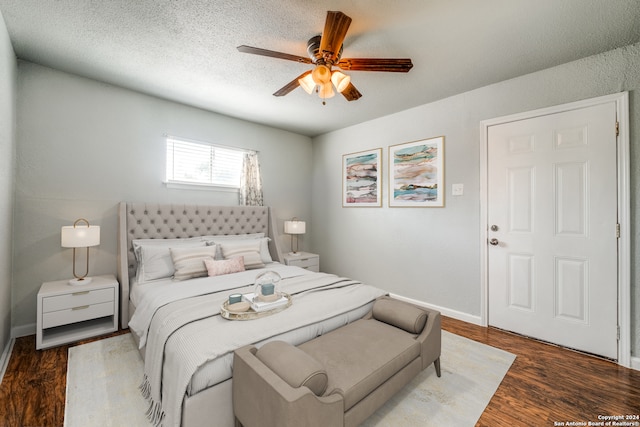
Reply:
x=416, y=173
x=361, y=179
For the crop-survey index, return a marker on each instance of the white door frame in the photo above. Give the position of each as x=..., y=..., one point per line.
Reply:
x=624, y=242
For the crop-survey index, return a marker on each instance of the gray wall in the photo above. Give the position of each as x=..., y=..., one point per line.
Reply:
x=433, y=254
x=8, y=88
x=84, y=146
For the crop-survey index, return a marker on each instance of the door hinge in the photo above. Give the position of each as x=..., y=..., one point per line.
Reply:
x=617, y=128
x=617, y=230
x=618, y=333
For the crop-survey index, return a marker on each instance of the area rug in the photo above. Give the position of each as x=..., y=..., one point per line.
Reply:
x=103, y=379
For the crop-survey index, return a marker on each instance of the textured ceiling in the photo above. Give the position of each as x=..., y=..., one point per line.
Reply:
x=185, y=50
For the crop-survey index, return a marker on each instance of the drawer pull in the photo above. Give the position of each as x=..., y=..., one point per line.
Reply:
x=82, y=307
x=80, y=293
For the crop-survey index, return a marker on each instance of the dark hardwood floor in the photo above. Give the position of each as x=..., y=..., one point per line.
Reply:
x=32, y=393
x=546, y=385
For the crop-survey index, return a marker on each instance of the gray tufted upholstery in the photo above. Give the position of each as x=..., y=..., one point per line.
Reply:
x=147, y=221
x=156, y=221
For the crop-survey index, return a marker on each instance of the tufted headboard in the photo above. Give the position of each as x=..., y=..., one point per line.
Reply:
x=159, y=221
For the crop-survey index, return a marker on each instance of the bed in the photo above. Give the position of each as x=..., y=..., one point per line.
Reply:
x=187, y=346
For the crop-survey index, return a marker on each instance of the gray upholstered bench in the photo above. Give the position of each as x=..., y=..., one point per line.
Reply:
x=340, y=378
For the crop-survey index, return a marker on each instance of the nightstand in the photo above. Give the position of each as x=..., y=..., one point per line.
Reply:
x=69, y=313
x=303, y=259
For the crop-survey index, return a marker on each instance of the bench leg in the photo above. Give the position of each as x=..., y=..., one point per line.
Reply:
x=437, y=365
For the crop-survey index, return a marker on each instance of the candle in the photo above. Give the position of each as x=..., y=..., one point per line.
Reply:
x=268, y=289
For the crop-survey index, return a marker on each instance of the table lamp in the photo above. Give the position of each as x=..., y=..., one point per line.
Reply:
x=80, y=236
x=294, y=227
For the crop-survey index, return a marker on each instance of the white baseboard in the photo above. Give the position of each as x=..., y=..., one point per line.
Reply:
x=465, y=317
x=4, y=359
x=23, y=331
x=17, y=332
x=635, y=363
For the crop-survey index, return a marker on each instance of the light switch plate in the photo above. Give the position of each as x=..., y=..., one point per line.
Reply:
x=457, y=189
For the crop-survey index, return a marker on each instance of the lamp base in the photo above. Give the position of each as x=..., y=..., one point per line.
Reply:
x=80, y=282
x=294, y=253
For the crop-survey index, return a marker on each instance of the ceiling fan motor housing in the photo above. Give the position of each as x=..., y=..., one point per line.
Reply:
x=313, y=50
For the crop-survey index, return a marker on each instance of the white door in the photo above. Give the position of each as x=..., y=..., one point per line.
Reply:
x=552, y=216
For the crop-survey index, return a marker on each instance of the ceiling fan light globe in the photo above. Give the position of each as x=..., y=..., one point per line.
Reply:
x=326, y=91
x=307, y=83
x=321, y=74
x=340, y=80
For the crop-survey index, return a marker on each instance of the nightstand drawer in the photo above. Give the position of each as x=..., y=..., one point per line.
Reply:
x=77, y=314
x=77, y=299
x=304, y=262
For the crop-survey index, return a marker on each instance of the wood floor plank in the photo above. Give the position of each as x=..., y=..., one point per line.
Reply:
x=34, y=385
x=545, y=385
x=548, y=384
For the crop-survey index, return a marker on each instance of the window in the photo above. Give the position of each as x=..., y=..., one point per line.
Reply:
x=201, y=163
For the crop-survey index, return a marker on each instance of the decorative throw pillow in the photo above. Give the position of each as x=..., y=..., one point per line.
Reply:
x=399, y=314
x=226, y=238
x=189, y=262
x=154, y=261
x=225, y=266
x=264, y=250
x=249, y=249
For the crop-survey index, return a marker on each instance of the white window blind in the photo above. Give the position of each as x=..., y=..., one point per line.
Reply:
x=195, y=162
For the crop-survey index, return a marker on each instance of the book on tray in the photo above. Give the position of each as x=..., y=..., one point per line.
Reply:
x=259, y=306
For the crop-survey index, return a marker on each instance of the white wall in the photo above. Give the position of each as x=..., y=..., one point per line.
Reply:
x=8, y=88
x=433, y=254
x=84, y=146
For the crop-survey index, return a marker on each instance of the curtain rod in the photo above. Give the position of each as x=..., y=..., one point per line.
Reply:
x=247, y=150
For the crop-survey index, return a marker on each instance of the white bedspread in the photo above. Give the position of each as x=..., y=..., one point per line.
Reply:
x=166, y=291
x=186, y=333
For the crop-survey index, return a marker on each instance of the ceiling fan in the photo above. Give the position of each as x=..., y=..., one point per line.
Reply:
x=325, y=52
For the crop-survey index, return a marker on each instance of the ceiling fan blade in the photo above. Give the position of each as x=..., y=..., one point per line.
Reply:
x=273, y=54
x=335, y=30
x=291, y=85
x=351, y=93
x=394, y=65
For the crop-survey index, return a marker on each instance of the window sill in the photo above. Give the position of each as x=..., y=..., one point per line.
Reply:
x=195, y=186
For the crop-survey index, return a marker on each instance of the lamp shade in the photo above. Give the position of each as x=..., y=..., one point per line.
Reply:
x=80, y=236
x=294, y=227
x=321, y=74
x=307, y=83
x=340, y=80
x=326, y=91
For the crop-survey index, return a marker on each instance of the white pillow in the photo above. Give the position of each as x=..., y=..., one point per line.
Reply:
x=162, y=242
x=189, y=262
x=264, y=249
x=248, y=248
x=233, y=236
x=154, y=261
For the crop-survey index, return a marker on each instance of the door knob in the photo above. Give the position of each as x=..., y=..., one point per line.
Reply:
x=494, y=242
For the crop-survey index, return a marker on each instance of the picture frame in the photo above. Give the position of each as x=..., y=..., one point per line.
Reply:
x=416, y=173
x=362, y=179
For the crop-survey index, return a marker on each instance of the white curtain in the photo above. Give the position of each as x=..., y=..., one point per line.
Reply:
x=251, y=182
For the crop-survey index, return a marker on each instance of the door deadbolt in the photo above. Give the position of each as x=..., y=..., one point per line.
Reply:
x=494, y=228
